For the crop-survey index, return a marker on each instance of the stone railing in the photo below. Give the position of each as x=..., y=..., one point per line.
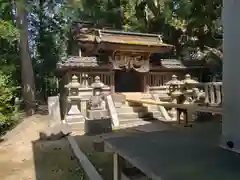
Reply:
x=213, y=93
x=189, y=91
x=89, y=77
x=158, y=89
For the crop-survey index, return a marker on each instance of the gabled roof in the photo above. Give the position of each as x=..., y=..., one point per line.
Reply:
x=120, y=40
x=131, y=38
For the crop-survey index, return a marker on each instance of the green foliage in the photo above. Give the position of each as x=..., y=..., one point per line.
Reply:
x=49, y=31
x=7, y=94
x=8, y=91
x=8, y=31
x=9, y=66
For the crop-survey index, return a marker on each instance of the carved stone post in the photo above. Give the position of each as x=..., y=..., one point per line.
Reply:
x=213, y=94
x=85, y=80
x=218, y=89
x=17, y=104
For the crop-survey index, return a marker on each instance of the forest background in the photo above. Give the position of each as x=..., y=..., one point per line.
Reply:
x=34, y=36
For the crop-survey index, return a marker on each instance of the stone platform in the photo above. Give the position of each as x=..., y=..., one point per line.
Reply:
x=179, y=154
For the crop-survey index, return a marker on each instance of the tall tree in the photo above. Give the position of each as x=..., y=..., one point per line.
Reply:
x=27, y=75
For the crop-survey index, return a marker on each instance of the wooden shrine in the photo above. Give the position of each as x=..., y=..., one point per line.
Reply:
x=125, y=61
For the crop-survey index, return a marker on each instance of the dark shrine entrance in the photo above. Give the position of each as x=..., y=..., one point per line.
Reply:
x=128, y=81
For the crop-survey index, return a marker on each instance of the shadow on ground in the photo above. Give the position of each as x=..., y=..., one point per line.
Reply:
x=103, y=161
x=54, y=160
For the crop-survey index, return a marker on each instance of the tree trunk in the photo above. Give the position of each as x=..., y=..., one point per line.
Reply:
x=27, y=75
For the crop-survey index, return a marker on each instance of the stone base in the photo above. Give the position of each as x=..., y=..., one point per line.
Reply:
x=118, y=104
x=98, y=126
x=97, y=114
x=230, y=144
x=75, y=118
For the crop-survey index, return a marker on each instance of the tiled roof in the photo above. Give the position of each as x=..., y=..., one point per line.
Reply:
x=172, y=63
x=121, y=37
x=178, y=64
x=131, y=38
x=76, y=61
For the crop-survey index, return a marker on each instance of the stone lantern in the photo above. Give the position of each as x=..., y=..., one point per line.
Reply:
x=97, y=120
x=97, y=86
x=189, y=88
x=97, y=100
x=189, y=82
x=175, y=87
x=73, y=86
x=74, y=99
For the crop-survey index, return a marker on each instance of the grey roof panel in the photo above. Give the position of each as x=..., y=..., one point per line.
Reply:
x=172, y=63
x=76, y=61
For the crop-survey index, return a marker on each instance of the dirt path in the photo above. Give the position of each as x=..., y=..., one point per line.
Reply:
x=22, y=157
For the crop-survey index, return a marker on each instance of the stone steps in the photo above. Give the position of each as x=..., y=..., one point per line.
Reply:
x=127, y=107
x=131, y=116
x=151, y=114
x=74, y=121
x=132, y=123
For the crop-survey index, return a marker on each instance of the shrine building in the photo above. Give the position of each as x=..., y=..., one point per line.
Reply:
x=125, y=61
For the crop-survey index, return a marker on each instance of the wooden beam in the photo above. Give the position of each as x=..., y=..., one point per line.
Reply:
x=189, y=107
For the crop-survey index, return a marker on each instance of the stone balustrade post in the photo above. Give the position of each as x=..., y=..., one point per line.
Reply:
x=213, y=94
x=218, y=89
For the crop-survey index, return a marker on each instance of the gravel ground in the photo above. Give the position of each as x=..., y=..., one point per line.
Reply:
x=23, y=157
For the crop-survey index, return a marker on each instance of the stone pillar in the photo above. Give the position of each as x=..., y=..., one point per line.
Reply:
x=231, y=73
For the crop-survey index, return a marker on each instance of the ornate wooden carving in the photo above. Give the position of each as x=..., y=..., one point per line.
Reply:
x=137, y=62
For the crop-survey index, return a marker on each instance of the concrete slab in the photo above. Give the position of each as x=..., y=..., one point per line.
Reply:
x=180, y=154
x=152, y=127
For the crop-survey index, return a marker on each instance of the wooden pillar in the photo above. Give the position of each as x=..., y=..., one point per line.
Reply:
x=112, y=81
x=118, y=166
x=146, y=82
